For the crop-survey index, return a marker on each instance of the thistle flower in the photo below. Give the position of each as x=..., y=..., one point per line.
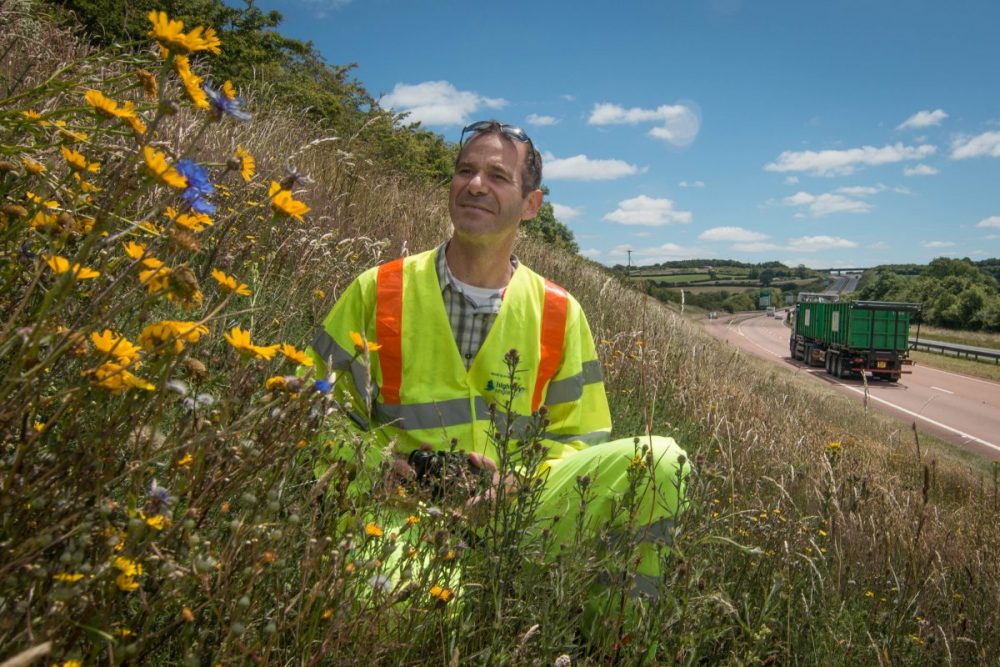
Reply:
x=240, y=339
x=224, y=102
x=198, y=186
x=191, y=81
x=60, y=265
x=283, y=203
x=156, y=162
x=170, y=35
x=158, y=499
x=229, y=283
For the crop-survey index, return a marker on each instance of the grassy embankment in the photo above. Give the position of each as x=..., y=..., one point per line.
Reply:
x=159, y=503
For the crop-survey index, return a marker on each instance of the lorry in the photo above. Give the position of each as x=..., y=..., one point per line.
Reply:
x=852, y=338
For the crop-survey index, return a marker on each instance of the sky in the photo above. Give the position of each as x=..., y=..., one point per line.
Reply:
x=841, y=133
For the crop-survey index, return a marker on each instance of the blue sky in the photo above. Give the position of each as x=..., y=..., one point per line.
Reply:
x=834, y=133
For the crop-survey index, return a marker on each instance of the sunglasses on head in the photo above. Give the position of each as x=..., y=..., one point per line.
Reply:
x=511, y=131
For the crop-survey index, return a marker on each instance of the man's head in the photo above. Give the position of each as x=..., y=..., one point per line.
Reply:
x=495, y=185
x=531, y=170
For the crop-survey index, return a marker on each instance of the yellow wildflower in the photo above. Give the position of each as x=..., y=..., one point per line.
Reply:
x=245, y=163
x=32, y=166
x=170, y=35
x=283, y=203
x=327, y=613
x=372, y=530
x=114, y=378
x=45, y=220
x=276, y=383
x=61, y=265
x=157, y=521
x=178, y=332
x=293, y=354
x=192, y=82
x=85, y=186
x=78, y=162
x=319, y=294
x=33, y=115
x=185, y=461
x=240, y=339
x=149, y=84
x=192, y=220
x=833, y=446
x=114, y=345
x=443, y=594
x=68, y=577
x=126, y=583
x=134, y=250
x=70, y=663
x=412, y=520
x=156, y=162
x=361, y=343
x=229, y=283
x=187, y=615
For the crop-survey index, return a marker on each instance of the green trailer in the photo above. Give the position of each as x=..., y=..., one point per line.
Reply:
x=853, y=337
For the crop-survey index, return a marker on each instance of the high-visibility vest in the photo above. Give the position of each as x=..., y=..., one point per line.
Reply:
x=420, y=391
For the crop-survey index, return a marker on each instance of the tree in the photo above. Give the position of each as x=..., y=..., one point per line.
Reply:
x=546, y=227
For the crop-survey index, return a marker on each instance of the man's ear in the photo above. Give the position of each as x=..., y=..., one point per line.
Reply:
x=531, y=205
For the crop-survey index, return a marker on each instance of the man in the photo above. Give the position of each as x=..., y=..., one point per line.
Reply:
x=422, y=350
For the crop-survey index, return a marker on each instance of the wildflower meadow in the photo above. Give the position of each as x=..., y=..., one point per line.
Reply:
x=174, y=485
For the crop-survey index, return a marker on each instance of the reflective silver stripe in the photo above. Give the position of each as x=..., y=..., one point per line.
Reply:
x=571, y=388
x=337, y=358
x=518, y=428
x=436, y=414
x=592, y=438
x=644, y=584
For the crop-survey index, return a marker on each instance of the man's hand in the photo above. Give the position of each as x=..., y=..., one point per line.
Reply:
x=489, y=467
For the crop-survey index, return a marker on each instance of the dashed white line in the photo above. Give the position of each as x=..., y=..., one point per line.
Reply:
x=942, y=390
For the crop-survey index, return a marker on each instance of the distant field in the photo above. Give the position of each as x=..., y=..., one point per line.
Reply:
x=974, y=338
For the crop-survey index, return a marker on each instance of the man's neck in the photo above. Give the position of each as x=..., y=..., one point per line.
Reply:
x=479, y=266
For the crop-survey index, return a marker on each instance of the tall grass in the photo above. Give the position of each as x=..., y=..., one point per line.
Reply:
x=162, y=504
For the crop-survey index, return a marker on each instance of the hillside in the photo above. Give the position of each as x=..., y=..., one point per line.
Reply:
x=160, y=497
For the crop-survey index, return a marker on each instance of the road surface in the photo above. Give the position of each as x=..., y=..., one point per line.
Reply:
x=956, y=408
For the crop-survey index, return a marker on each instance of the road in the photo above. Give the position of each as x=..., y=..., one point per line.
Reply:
x=956, y=408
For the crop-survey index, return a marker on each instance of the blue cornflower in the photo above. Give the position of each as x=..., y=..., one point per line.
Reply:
x=323, y=386
x=225, y=102
x=158, y=499
x=198, y=188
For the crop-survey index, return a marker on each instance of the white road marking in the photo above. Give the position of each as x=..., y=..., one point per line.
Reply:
x=940, y=389
x=958, y=375
x=963, y=434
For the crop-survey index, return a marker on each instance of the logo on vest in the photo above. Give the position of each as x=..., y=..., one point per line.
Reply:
x=500, y=384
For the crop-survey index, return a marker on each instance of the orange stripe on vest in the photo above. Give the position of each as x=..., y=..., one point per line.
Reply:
x=389, y=328
x=553, y=335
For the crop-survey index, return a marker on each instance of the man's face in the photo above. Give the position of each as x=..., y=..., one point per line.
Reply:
x=486, y=201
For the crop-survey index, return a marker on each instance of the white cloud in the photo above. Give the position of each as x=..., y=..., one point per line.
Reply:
x=841, y=162
x=677, y=124
x=757, y=247
x=920, y=170
x=902, y=190
x=535, y=119
x=992, y=221
x=692, y=184
x=827, y=203
x=861, y=190
x=592, y=253
x=731, y=234
x=816, y=243
x=992, y=237
x=437, y=102
x=985, y=144
x=565, y=213
x=322, y=8
x=648, y=211
x=568, y=97
x=655, y=254
x=938, y=244
x=923, y=119
x=791, y=180
x=582, y=168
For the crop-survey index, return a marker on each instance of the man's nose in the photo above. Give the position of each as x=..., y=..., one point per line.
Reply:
x=477, y=183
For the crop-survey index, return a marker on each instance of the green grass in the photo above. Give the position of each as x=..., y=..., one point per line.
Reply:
x=974, y=338
x=816, y=532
